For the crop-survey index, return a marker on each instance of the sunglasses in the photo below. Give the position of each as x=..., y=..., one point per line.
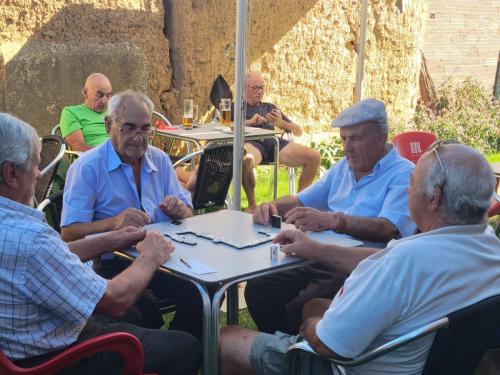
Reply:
x=434, y=147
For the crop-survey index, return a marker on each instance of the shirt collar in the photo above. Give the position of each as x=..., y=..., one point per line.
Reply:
x=388, y=160
x=467, y=230
x=113, y=160
x=11, y=205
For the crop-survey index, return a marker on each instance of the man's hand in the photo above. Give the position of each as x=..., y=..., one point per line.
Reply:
x=155, y=248
x=174, y=208
x=296, y=243
x=126, y=237
x=306, y=218
x=131, y=217
x=262, y=214
x=274, y=117
x=255, y=120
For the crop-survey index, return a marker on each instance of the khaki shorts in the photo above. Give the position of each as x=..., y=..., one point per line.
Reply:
x=268, y=352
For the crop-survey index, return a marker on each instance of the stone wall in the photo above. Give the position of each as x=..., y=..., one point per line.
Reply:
x=307, y=49
x=173, y=49
x=49, y=47
x=463, y=40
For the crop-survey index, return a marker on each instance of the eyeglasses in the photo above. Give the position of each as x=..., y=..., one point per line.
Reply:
x=435, y=146
x=131, y=130
x=257, y=88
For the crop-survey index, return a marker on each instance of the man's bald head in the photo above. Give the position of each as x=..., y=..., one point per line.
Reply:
x=465, y=179
x=96, y=92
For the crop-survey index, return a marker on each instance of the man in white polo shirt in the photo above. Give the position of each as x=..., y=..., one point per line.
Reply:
x=452, y=264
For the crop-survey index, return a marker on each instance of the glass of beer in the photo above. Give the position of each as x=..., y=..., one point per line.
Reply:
x=187, y=114
x=225, y=111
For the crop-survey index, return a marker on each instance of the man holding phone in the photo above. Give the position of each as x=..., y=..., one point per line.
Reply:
x=267, y=116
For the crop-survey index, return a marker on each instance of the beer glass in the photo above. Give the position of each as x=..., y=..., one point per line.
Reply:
x=225, y=111
x=187, y=114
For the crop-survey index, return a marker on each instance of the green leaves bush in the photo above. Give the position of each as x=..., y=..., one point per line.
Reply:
x=330, y=150
x=465, y=112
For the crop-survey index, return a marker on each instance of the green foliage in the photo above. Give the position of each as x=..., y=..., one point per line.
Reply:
x=465, y=112
x=493, y=158
x=330, y=150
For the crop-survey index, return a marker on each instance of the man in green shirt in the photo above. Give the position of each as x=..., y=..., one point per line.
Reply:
x=83, y=125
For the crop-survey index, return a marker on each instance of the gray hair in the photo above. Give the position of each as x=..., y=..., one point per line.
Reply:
x=467, y=182
x=116, y=102
x=17, y=140
x=381, y=128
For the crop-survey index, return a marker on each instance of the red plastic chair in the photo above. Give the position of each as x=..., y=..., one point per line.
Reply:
x=494, y=209
x=127, y=345
x=412, y=145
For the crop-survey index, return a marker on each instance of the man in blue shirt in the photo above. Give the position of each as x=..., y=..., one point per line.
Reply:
x=48, y=295
x=123, y=182
x=364, y=196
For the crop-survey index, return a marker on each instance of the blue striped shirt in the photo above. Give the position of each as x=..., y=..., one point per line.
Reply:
x=46, y=293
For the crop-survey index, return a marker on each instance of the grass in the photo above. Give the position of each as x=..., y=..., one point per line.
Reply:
x=264, y=184
x=245, y=320
x=493, y=158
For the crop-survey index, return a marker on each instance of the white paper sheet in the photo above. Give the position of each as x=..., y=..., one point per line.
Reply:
x=197, y=267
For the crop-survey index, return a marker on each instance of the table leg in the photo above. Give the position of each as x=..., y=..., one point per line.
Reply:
x=208, y=354
x=213, y=341
x=232, y=304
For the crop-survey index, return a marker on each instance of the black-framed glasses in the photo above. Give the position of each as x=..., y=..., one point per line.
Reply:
x=257, y=88
x=435, y=146
x=132, y=130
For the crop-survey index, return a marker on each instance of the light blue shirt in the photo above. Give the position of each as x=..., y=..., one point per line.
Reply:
x=99, y=185
x=47, y=294
x=382, y=193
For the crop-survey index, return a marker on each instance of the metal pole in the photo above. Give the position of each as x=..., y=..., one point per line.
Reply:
x=239, y=115
x=361, y=52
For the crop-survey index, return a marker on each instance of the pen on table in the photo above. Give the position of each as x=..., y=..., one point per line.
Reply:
x=186, y=263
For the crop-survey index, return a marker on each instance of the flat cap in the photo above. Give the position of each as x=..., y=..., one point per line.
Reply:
x=368, y=110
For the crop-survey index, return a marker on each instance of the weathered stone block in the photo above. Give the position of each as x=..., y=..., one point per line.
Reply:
x=43, y=77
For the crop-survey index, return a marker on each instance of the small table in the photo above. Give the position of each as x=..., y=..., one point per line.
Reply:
x=496, y=169
x=210, y=133
x=231, y=265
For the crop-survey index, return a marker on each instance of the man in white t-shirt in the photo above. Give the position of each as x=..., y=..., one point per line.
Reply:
x=453, y=263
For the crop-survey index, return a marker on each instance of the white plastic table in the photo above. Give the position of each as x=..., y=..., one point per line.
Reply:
x=231, y=265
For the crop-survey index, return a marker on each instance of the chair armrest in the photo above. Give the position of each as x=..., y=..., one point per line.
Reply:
x=56, y=160
x=71, y=152
x=166, y=120
x=43, y=204
x=127, y=345
x=372, y=354
x=187, y=157
x=56, y=130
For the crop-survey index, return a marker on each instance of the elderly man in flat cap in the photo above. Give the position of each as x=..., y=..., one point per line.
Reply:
x=364, y=196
